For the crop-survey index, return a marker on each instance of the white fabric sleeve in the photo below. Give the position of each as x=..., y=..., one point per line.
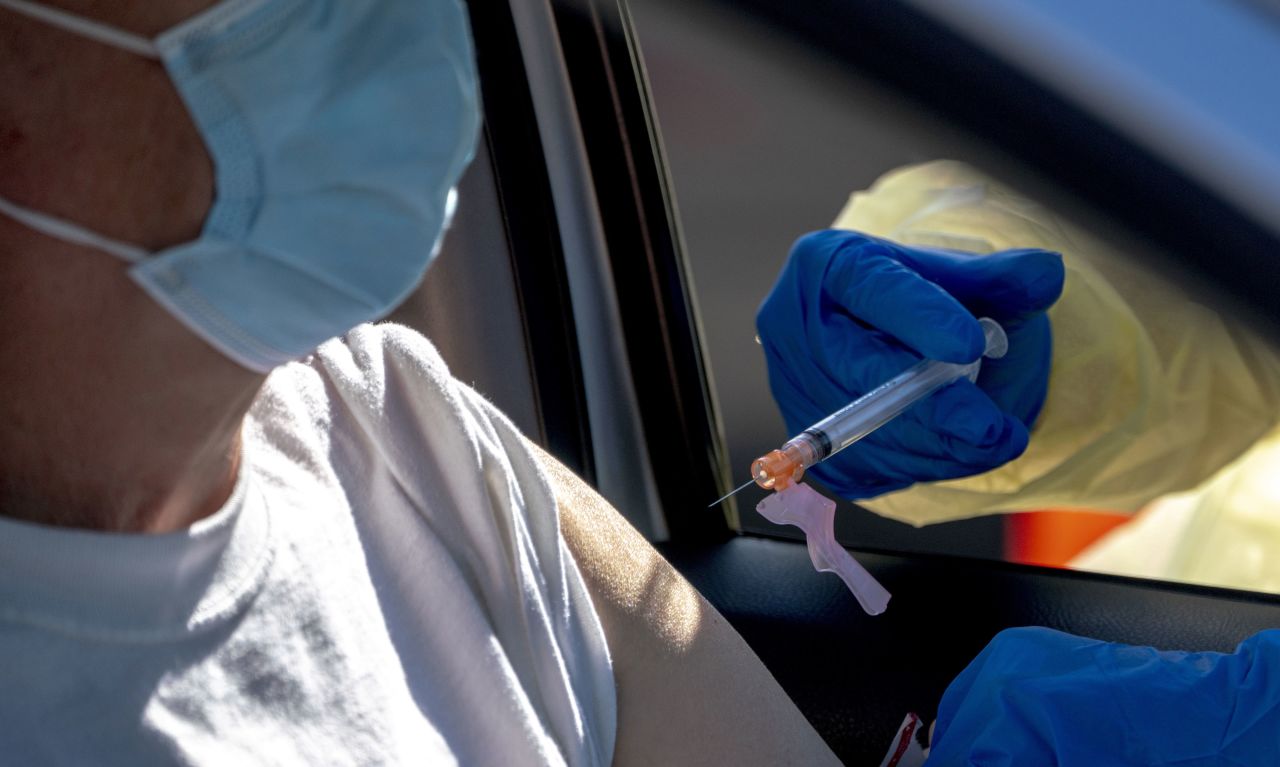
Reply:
x=482, y=491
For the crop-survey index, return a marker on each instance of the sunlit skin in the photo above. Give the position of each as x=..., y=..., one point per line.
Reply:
x=690, y=690
x=113, y=416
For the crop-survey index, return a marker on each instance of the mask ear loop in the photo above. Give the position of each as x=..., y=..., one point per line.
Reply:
x=116, y=38
x=73, y=233
x=79, y=25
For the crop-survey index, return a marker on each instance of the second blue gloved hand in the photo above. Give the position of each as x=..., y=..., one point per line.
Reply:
x=1037, y=696
x=850, y=311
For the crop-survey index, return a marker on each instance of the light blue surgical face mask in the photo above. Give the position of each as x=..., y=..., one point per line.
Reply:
x=337, y=128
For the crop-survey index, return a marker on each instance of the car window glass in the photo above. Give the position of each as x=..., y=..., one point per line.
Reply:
x=766, y=141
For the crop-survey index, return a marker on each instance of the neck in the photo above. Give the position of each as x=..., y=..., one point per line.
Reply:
x=101, y=448
x=138, y=491
x=112, y=415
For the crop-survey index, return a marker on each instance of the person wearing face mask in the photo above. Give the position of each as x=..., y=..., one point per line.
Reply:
x=228, y=535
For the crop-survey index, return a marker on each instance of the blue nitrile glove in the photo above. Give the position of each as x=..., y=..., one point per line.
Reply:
x=1037, y=696
x=850, y=311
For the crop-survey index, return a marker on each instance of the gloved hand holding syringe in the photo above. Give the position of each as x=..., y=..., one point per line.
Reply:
x=795, y=503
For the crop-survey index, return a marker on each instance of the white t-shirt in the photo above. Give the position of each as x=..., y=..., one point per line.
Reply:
x=387, y=585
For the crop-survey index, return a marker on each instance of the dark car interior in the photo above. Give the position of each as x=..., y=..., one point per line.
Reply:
x=562, y=294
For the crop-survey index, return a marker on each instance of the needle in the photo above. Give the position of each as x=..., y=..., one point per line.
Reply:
x=743, y=486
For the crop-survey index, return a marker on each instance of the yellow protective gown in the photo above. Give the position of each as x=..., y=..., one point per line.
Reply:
x=1224, y=533
x=1150, y=392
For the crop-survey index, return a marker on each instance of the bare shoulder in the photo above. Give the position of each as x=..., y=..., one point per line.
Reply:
x=690, y=690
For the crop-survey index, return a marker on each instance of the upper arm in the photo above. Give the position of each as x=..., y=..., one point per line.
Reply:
x=689, y=688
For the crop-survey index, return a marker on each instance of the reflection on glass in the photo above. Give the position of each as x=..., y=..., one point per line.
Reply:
x=1157, y=453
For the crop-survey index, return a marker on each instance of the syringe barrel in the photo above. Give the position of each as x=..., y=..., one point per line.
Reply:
x=880, y=405
x=883, y=403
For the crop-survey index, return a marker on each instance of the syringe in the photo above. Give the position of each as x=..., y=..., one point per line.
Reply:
x=779, y=469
